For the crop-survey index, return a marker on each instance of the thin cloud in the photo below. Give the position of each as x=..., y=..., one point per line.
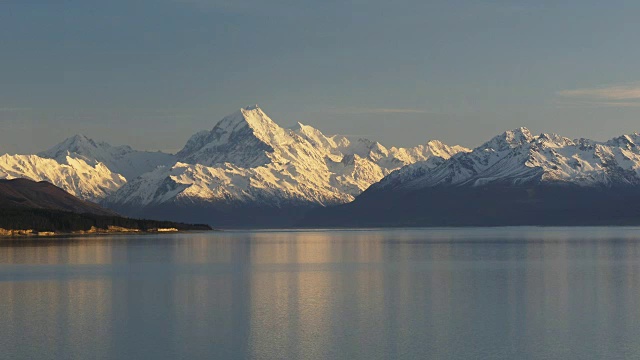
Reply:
x=241, y=6
x=625, y=92
x=622, y=95
x=213, y=3
x=13, y=109
x=622, y=104
x=379, y=111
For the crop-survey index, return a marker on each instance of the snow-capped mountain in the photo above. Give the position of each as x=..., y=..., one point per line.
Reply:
x=123, y=160
x=513, y=179
x=83, y=167
x=87, y=181
x=248, y=167
x=517, y=158
x=247, y=159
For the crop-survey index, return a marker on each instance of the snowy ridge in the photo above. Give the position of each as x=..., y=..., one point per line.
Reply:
x=249, y=159
x=86, y=181
x=123, y=160
x=516, y=157
x=243, y=138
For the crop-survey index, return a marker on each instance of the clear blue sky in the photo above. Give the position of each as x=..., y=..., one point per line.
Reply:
x=152, y=72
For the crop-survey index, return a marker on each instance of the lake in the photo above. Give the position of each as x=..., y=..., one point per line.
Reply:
x=472, y=293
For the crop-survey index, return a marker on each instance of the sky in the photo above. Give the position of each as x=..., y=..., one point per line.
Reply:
x=150, y=73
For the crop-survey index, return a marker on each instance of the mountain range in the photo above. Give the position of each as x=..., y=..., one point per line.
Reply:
x=122, y=160
x=91, y=180
x=248, y=171
x=515, y=178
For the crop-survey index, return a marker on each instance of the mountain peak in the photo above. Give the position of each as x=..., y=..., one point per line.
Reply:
x=120, y=159
x=521, y=132
x=252, y=116
x=435, y=144
x=78, y=143
x=80, y=139
x=553, y=140
x=243, y=138
x=631, y=140
x=509, y=139
x=260, y=124
x=307, y=130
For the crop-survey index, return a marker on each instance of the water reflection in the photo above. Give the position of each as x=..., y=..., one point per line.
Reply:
x=441, y=293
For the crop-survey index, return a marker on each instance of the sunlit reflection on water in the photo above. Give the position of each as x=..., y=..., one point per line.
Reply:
x=526, y=293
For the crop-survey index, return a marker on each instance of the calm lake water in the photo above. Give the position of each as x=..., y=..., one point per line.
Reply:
x=497, y=293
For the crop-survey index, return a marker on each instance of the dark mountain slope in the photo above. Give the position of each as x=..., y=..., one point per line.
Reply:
x=40, y=206
x=27, y=194
x=551, y=205
x=513, y=179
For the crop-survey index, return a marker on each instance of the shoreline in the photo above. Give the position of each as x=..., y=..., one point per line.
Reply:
x=32, y=234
